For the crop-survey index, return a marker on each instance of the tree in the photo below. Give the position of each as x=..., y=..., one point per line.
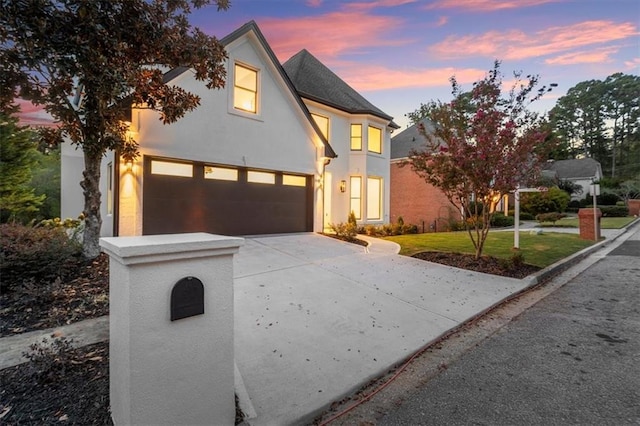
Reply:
x=601, y=120
x=481, y=145
x=46, y=181
x=17, y=158
x=87, y=62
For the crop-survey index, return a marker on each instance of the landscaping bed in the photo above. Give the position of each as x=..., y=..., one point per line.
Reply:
x=486, y=264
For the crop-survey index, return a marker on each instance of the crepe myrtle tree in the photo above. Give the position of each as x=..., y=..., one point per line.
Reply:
x=87, y=62
x=481, y=145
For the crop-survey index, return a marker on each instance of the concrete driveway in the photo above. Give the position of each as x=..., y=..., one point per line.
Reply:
x=316, y=318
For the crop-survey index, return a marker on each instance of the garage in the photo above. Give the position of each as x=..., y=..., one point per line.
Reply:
x=185, y=196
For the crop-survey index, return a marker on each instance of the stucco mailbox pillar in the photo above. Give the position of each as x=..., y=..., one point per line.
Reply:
x=589, y=223
x=171, y=329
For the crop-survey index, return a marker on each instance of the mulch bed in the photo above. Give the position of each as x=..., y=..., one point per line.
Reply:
x=37, y=306
x=486, y=264
x=57, y=387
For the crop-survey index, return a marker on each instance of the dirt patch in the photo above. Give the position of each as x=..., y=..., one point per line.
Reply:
x=485, y=264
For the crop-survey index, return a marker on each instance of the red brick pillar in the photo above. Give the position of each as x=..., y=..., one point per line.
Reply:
x=634, y=207
x=587, y=229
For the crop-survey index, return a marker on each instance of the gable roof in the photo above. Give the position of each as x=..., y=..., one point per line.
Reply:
x=249, y=27
x=313, y=80
x=584, y=168
x=408, y=140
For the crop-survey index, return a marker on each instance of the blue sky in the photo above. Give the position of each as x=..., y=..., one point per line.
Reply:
x=400, y=53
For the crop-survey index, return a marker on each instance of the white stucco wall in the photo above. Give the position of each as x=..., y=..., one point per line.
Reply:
x=354, y=163
x=71, y=194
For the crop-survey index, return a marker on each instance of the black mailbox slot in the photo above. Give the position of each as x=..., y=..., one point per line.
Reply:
x=187, y=298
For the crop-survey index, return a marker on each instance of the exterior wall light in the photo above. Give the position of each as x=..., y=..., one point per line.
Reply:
x=343, y=185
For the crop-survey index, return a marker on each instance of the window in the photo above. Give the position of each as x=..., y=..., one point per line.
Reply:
x=110, y=188
x=245, y=89
x=375, y=140
x=261, y=177
x=356, y=137
x=323, y=124
x=374, y=198
x=171, y=169
x=220, y=173
x=356, y=196
x=293, y=180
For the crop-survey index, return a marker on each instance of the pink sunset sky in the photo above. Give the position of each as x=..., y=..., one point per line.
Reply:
x=401, y=53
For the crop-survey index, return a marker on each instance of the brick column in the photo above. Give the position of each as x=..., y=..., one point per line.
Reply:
x=634, y=207
x=589, y=230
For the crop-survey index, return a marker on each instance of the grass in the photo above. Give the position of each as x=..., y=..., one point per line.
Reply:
x=540, y=250
x=605, y=222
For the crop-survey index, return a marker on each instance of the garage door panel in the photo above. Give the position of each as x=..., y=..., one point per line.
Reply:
x=176, y=204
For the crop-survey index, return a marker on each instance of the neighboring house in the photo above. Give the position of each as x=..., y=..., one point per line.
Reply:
x=581, y=171
x=282, y=148
x=416, y=201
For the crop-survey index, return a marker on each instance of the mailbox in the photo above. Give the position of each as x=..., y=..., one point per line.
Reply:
x=187, y=298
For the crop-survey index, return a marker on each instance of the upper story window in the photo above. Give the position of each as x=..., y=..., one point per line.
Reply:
x=356, y=137
x=323, y=124
x=245, y=89
x=375, y=140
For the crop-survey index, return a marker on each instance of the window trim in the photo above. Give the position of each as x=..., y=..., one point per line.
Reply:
x=352, y=198
x=328, y=129
x=352, y=137
x=380, y=196
x=240, y=110
x=369, y=127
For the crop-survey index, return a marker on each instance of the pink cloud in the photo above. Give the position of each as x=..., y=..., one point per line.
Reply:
x=314, y=3
x=516, y=44
x=633, y=64
x=486, y=5
x=328, y=36
x=33, y=115
x=365, y=78
x=443, y=20
x=584, y=57
x=376, y=4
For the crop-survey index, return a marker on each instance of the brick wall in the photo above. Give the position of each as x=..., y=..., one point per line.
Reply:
x=418, y=202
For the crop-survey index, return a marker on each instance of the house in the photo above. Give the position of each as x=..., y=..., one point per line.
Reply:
x=282, y=148
x=582, y=172
x=413, y=199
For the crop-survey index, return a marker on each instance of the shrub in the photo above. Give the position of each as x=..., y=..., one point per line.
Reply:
x=50, y=360
x=554, y=200
x=621, y=204
x=607, y=198
x=614, y=211
x=550, y=217
x=346, y=231
x=499, y=220
x=35, y=253
x=574, y=204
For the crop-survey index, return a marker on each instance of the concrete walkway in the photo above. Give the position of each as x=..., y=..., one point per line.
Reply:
x=316, y=318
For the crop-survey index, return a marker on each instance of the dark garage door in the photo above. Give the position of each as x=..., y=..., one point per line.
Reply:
x=197, y=197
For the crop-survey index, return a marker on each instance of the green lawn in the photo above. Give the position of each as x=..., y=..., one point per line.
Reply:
x=541, y=250
x=605, y=222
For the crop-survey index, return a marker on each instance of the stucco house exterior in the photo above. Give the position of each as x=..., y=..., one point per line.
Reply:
x=413, y=199
x=581, y=171
x=282, y=148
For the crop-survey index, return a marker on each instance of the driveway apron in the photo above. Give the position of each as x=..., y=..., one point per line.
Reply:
x=316, y=318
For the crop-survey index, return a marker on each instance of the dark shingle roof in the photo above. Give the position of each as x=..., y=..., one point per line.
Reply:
x=574, y=169
x=315, y=81
x=407, y=140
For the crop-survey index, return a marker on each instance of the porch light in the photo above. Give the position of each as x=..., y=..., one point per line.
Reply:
x=343, y=185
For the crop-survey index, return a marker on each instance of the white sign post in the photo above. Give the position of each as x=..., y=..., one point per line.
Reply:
x=595, y=191
x=516, y=216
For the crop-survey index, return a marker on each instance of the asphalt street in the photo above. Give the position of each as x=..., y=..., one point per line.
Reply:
x=572, y=358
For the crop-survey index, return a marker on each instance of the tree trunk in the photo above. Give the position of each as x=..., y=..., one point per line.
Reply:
x=91, y=189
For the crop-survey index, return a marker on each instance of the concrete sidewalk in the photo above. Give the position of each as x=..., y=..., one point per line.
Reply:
x=316, y=318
